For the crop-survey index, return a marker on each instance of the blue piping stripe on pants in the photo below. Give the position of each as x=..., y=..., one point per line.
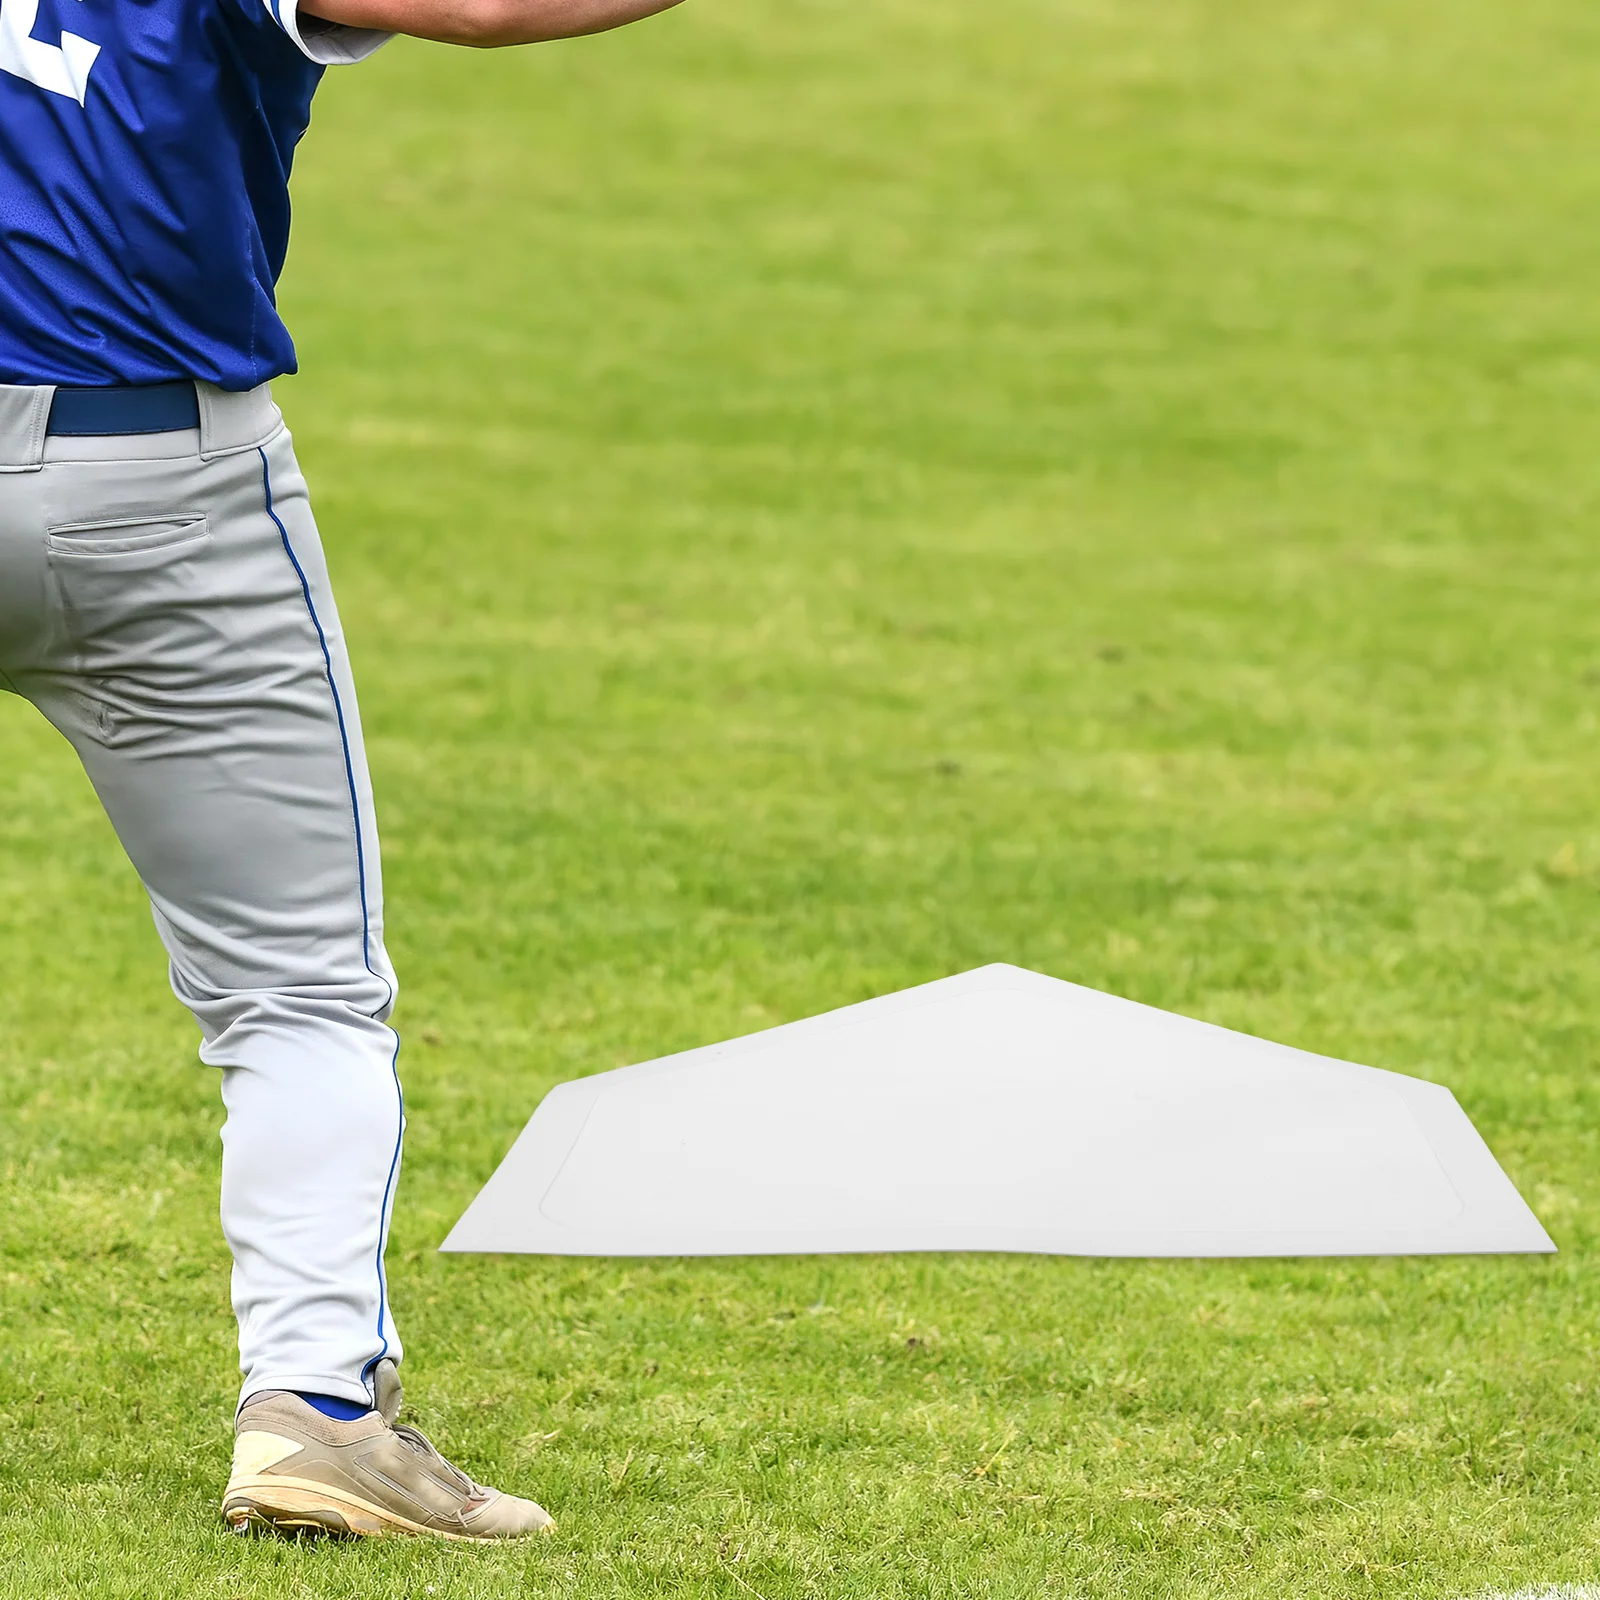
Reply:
x=361, y=877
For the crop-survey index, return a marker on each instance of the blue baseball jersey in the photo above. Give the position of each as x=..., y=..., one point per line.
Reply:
x=145, y=148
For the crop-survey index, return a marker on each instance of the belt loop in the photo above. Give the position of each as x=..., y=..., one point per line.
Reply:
x=206, y=397
x=24, y=420
x=233, y=421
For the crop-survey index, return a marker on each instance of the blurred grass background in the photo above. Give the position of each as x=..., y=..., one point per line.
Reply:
x=825, y=496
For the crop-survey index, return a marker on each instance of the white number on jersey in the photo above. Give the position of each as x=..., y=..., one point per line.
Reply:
x=62, y=68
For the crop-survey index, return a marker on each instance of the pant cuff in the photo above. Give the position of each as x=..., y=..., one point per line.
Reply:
x=341, y=1388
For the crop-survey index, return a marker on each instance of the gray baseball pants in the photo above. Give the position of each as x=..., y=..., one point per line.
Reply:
x=164, y=602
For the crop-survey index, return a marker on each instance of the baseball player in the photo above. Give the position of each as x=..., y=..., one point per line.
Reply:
x=164, y=602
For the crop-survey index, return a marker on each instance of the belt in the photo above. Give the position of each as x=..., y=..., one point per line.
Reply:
x=149, y=408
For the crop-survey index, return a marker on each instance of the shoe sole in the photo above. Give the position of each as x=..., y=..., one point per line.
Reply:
x=297, y=1505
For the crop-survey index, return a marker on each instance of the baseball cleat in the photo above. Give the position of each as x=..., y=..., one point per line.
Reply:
x=296, y=1471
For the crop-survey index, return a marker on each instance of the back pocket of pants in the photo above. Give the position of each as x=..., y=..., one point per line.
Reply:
x=127, y=536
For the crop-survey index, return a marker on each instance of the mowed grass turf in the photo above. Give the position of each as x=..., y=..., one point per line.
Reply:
x=825, y=496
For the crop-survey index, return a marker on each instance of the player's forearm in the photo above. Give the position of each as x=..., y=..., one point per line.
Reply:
x=487, y=23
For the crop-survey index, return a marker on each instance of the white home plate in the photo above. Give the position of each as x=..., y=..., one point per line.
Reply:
x=999, y=1110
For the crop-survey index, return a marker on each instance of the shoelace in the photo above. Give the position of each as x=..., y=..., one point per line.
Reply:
x=419, y=1442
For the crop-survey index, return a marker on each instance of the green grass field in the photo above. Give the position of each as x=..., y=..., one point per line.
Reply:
x=825, y=496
